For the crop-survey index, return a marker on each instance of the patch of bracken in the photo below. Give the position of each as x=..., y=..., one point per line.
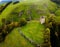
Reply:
x=6, y=28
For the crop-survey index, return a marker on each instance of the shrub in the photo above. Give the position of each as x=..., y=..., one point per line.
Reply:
x=57, y=13
x=5, y=21
x=2, y=38
x=22, y=22
x=16, y=24
x=28, y=19
x=11, y=25
x=47, y=37
x=52, y=7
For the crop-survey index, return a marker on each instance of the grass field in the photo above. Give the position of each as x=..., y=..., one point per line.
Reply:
x=14, y=39
x=45, y=7
x=34, y=29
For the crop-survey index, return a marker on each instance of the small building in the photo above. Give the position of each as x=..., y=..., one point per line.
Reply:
x=42, y=19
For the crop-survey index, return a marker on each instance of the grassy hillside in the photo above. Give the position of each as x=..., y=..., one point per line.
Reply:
x=14, y=39
x=37, y=9
x=33, y=29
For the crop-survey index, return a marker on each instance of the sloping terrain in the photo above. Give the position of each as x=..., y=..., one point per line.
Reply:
x=14, y=39
x=33, y=30
x=39, y=9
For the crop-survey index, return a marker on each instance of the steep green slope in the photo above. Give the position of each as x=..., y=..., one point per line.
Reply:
x=57, y=12
x=35, y=31
x=37, y=9
x=14, y=39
